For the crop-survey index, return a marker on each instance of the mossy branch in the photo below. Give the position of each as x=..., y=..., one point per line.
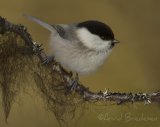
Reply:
x=18, y=52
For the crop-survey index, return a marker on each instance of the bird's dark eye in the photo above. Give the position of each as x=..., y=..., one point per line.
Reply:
x=103, y=38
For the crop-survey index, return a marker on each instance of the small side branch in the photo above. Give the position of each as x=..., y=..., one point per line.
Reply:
x=119, y=98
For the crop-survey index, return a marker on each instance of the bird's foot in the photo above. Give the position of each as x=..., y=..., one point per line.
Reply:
x=48, y=60
x=73, y=83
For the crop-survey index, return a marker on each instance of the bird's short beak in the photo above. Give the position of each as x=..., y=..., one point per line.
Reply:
x=113, y=43
x=116, y=41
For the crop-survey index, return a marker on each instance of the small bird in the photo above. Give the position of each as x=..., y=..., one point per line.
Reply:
x=80, y=47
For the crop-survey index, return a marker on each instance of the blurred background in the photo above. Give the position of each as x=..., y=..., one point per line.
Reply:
x=133, y=66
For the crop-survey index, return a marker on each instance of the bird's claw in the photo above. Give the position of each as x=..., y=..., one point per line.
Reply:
x=73, y=83
x=48, y=60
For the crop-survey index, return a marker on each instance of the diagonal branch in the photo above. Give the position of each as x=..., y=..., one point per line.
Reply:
x=84, y=92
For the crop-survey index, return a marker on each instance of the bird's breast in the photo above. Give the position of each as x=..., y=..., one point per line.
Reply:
x=77, y=59
x=88, y=62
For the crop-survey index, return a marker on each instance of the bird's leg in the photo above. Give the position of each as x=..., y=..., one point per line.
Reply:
x=73, y=82
x=48, y=59
x=69, y=77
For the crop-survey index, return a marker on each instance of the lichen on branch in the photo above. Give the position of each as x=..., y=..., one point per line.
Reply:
x=21, y=58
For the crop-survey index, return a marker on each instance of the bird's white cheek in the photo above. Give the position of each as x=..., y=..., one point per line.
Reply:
x=86, y=38
x=92, y=41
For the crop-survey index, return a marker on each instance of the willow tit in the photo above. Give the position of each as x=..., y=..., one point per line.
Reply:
x=80, y=47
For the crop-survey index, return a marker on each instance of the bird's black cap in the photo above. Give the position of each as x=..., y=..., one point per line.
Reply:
x=98, y=28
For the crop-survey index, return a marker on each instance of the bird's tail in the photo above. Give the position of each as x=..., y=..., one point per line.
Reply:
x=40, y=22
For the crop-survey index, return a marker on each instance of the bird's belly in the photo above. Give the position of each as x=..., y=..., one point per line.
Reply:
x=80, y=62
x=75, y=59
x=87, y=63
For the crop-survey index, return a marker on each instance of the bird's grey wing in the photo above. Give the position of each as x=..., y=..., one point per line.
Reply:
x=65, y=31
x=60, y=30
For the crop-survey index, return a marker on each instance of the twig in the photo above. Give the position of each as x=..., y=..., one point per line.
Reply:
x=86, y=94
